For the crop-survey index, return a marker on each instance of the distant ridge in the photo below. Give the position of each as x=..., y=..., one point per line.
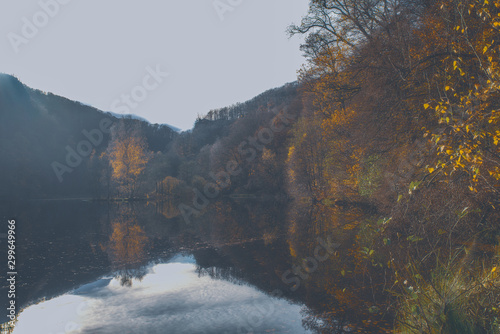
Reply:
x=39, y=130
x=142, y=119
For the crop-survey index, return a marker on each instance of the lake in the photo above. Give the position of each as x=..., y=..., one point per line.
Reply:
x=239, y=266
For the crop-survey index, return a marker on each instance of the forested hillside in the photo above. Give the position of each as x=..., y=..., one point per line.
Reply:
x=396, y=116
x=39, y=130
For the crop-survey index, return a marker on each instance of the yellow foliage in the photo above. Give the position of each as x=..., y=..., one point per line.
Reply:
x=128, y=156
x=128, y=243
x=468, y=140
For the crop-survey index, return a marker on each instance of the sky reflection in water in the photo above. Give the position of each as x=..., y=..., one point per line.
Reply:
x=171, y=298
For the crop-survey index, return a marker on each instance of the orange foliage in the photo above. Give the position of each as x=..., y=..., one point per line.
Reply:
x=128, y=156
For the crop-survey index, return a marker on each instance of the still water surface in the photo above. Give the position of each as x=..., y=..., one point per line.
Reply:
x=171, y=298
x=239, y=267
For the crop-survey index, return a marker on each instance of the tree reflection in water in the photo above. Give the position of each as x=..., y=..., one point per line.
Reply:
x=249, y=242
x=344, y=293
x=127, y=246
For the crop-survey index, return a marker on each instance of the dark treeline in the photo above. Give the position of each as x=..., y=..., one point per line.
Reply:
x=41, y=132
x=255, y=142
x=52, y=147
x=264, y=101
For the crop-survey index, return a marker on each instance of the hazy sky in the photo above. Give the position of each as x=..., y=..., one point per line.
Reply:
x=216, y=53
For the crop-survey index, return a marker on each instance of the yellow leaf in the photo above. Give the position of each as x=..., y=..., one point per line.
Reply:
x=494, y=269
x=426, y=105
x=431, y=170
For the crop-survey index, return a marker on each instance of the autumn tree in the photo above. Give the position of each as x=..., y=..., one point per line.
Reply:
x=468, y=111
x=128, y=156
x=306, y=160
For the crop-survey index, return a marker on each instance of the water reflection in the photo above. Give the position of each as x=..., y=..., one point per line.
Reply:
x=127, y=246
x=347, y=293
x=170, y=298
x=242, y=253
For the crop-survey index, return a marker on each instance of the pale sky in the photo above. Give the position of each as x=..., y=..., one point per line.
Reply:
x=99, y=51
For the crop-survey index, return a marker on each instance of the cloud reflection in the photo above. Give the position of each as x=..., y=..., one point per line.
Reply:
x=171, y=298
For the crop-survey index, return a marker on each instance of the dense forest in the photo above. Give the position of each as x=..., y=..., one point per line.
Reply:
x=393, y=134
x=390, y=136
x=52, y=147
